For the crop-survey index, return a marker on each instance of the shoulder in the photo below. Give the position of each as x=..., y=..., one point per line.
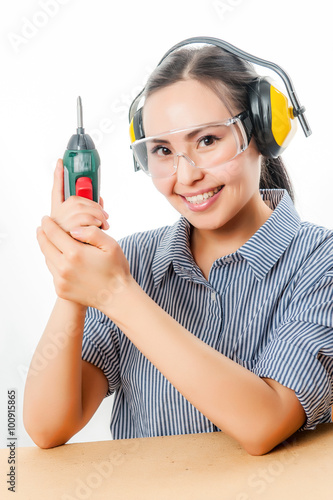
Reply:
x=315, y=242
x=316, y=232
x=312, y=248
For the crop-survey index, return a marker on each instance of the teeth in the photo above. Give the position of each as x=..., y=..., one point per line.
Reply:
x=202, y=197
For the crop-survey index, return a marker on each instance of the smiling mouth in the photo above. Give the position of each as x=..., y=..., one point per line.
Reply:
x=196, y=200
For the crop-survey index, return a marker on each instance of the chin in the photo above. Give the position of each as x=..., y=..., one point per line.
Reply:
x=208, y=223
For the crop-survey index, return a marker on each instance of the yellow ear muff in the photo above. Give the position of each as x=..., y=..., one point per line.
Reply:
x=272, y=118
x=136, y=126
x=281, y=117
x=131, y=131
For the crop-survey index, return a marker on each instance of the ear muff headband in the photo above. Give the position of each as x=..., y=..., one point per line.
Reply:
x=270, y=114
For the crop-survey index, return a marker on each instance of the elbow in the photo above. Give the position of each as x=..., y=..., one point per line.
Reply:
x=263, y=443
x=44, y=443
x=258, y=442
x=258, y=449
x=267, y=438
x=43, y=438
x=47, y=432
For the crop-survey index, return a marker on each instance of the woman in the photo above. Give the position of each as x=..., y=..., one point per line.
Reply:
x=220, y=322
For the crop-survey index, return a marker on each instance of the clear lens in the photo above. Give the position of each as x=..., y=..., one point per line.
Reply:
x=208, y=146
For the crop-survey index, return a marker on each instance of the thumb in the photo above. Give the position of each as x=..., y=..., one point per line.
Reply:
x=92, y=235
x=58, y=186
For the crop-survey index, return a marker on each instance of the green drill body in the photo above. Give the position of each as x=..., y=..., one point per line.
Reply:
x=81, y=164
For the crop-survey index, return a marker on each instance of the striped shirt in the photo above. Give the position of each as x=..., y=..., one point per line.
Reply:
x=268, y=306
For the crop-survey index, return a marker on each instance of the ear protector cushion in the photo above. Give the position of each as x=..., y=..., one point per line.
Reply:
x=271, y=117
x=136, y=132
x=136, y=126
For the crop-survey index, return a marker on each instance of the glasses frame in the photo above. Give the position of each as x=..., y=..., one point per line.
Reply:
x=242, y=120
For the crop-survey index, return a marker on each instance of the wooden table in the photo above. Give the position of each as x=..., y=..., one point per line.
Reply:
x=193, y=467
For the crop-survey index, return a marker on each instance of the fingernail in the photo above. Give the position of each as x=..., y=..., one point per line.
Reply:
x=76, y=232
x=106, y=215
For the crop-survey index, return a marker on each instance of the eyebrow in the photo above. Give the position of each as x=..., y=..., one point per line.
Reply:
x=159, y=141
x=187, y=136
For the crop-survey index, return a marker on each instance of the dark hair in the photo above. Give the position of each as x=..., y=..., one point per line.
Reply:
x=228, y=76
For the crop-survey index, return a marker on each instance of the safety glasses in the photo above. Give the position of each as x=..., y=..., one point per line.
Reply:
x=203, y=146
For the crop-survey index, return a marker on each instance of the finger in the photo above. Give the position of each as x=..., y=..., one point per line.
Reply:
x=85, y=219
x=93, y=236
x=89, y=220
x=84, y=204
x=58, y=186
x=106, y=215
x=87, y=213
x=57, y=236
x=51, y=253
x=53, y=257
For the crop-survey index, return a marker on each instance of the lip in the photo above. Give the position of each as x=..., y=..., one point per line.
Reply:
x=200, y=207
x=189, y=195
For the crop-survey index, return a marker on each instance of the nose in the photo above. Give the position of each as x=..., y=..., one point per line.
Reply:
x=187, y=172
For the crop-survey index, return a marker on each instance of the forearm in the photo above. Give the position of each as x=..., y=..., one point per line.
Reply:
x=52, y=400
x=258, y=413
x=233, y=398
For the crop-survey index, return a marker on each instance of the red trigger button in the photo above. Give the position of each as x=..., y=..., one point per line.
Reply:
x=84, y=187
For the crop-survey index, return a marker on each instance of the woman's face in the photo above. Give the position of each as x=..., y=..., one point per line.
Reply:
x=186, y=104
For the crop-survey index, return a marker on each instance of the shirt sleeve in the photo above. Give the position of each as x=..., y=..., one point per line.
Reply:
x=300, y=355
x=100, y=346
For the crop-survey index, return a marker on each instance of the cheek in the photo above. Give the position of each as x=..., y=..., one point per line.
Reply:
x=231, y=173
x=245, y=168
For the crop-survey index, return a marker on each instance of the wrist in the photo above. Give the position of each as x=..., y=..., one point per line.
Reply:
x=117, y=301
x=75, y=307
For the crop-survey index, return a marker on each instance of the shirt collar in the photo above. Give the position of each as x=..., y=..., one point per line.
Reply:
x=261, y=251
x=174, y=248
x=271, y=240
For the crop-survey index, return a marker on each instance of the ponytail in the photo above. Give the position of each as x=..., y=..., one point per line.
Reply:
x=275, y=176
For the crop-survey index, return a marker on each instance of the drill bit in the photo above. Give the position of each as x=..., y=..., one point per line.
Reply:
x=80, y=129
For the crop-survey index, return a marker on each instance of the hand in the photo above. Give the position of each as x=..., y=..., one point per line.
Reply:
x=75, y=211
x=91, y=275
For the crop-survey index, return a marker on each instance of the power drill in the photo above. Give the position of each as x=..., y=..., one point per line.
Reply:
x=81, y=163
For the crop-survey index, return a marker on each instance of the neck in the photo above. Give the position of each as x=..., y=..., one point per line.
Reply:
x=207, y=245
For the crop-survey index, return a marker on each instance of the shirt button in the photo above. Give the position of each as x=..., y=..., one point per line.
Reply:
x=227, y=260
x=213, y=296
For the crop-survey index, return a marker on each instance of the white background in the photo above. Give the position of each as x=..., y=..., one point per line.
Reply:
x=54, y=50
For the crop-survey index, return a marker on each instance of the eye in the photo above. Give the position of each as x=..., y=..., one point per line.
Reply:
x=161, y=151
x=208, y=140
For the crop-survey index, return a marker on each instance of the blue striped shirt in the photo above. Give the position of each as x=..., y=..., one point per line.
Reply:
x=268, y=306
